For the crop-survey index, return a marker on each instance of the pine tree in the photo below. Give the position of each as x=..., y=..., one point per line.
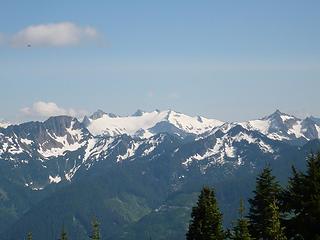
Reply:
x=29, y=236
x=95, y=230
x=301, y=201
x=267, y=189
x=274, y=229
x=206, y=222
x=241, y=231
x=63, y=235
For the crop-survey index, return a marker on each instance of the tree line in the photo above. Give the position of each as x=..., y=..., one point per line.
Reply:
x=95, y=232
x=275, y=213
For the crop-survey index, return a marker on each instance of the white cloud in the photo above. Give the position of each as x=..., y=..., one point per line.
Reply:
x=47, y=109
x=54, y=35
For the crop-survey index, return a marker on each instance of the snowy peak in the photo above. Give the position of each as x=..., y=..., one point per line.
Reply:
x=59, y=124
x=146, y=124
x=276, y=115
x=46, y=139
x=66, y=134
x=310, y=128
x=283, y=123
x=279, y=120
x=99, y=114
x=61, y=146
x=142, y=124
x=285, y=127
x=138, y=113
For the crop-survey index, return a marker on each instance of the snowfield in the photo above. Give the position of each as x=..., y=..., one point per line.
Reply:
x=132, y=125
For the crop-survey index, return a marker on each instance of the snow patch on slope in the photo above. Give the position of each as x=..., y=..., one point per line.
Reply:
x=74, y=144
x=318, y=130
x=55, y=179
x=55, y=152
x=95, y=148
x=130, y=152
x=26, y=141
x=224, y=147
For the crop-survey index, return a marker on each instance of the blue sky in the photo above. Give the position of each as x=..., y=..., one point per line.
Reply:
x=230, y=60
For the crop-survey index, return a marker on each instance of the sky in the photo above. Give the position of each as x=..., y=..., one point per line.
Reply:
x=229, y=60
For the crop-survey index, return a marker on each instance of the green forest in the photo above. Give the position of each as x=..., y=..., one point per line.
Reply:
x=275, y=212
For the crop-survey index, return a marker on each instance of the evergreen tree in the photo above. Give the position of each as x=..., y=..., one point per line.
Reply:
x=241, y=231
x=206, y=222
x=63, y=235
x=29, y=236
x=267, y=189
x=301, y=201
x=95, y=230
x=274, y=229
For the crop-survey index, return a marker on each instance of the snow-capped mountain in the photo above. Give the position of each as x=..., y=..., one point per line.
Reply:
x=50, y=138
x=158, y=153
x=57, y=149
x=37, y=152
x=277, y=126
x=236, y=146
x=146, y=124
x=285, y=127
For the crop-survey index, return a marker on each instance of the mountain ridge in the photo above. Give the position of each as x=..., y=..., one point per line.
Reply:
x=62, y=145
x=136, y=177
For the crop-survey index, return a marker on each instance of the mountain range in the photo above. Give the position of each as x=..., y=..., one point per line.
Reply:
x=138, y=174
